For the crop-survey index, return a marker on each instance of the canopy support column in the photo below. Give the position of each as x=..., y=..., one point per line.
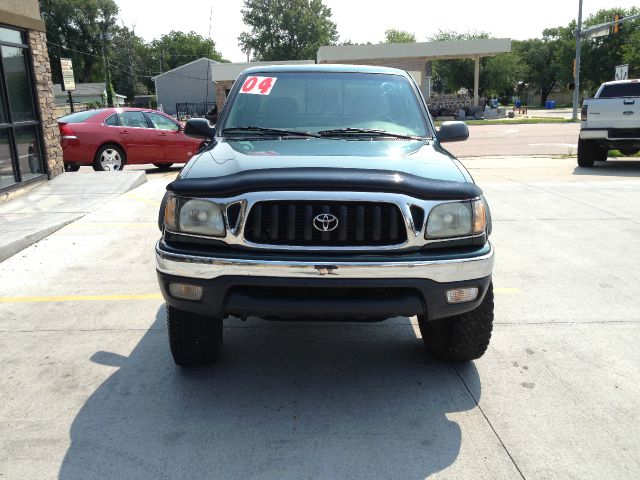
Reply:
x=476, y=82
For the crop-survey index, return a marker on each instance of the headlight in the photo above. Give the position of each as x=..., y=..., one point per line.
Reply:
x=456, y=219
x=200, y=217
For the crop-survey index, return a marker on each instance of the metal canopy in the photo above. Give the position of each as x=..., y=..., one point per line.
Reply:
x=424, y=50
x=392, y=53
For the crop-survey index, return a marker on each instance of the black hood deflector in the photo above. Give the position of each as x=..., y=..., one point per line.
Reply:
x=326, y=180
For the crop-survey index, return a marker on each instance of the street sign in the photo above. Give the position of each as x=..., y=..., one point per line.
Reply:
x=622, y=72
x=68, y=82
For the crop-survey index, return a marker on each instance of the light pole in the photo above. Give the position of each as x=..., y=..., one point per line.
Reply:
x=576, y=79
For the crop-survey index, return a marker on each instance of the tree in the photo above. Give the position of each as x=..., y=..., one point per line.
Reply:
x=451, y=75
x=177, y=48
x=286, y=29
x=74, y=26
x=542, y=70
x=601, y=55
x=398, y=36
x=132, y=63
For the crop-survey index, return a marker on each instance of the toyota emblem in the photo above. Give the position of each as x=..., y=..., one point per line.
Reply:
x=325, y=222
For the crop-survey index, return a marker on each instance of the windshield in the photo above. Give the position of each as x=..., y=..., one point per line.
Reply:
x=317, y=102
x=631, y=89
x=78, y=117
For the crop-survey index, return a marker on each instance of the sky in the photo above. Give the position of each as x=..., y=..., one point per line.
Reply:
x=361, y=20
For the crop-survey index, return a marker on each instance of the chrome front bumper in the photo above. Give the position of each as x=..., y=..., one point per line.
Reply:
x=441, y=271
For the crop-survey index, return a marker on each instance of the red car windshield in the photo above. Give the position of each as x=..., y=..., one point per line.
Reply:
x=78, y=117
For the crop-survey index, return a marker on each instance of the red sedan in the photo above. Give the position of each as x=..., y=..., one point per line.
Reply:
x=110, y=138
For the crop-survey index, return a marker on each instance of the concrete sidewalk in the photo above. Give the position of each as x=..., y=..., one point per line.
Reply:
x=36, y=215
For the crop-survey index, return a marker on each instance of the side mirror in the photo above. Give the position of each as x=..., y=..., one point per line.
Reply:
x=453, y=132
x=199, y=128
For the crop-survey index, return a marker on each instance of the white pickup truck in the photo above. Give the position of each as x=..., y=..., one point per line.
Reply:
x=610, y=120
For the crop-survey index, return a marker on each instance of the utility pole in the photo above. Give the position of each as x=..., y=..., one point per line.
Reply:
x=576, y=84
x=107, y=75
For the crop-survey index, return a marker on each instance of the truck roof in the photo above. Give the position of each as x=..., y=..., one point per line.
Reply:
x=325, y=67
x=617, y=82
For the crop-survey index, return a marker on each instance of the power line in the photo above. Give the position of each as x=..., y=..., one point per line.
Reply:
x=113, y=62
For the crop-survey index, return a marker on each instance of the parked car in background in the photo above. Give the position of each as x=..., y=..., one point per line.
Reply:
x=110, y=138
x=610, y=121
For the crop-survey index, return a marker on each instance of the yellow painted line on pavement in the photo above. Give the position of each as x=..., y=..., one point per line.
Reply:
x=144, y=296
x=506, y=291
x=133, y=196
x=81, y=298
x=114, y=225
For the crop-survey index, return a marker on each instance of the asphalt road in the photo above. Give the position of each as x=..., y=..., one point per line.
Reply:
x=89, y=390
x=558, y=139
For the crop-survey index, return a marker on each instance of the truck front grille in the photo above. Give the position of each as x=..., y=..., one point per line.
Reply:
x=296, y=223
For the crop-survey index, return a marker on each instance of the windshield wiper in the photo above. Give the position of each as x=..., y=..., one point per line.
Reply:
x=274, y=131
x=338, y=132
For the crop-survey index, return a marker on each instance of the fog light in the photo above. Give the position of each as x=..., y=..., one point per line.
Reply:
x=461, y=295
x=185, y=291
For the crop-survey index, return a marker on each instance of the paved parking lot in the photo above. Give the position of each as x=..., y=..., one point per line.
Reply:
x=89, y=389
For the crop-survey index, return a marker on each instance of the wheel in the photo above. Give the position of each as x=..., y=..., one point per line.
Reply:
x=462, y=338
x=163, y=166
x=70, y=167
x=109, y=158
x=193, y=339
x=601, y=154
x=587, y=152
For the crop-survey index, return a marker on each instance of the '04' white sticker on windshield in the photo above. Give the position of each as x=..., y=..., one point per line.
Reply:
x=258, y=85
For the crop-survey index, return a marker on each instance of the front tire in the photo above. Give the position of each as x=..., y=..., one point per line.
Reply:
x=194, y=339
x=587, y=153
x=109, y=158
x=70, y=167
x=461, y=338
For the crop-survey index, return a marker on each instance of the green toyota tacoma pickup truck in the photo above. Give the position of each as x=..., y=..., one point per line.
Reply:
x=325, y=194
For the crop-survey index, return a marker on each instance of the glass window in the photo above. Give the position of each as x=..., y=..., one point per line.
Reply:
x=631, y=89
x=133, y=119
x=162, y=123
x=3, y=115
x=78, y=117
x=11, y=36
x=112, y=120
x=18, y=84
x=325, y=101
x=28, y=152
x=6, y=169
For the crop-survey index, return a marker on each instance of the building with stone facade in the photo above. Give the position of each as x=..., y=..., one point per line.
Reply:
x=29, y=139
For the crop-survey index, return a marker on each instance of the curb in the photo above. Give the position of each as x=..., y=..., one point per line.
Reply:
x=31, y=238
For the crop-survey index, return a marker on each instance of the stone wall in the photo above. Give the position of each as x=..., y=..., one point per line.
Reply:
x=45, y=102
x=221, y=97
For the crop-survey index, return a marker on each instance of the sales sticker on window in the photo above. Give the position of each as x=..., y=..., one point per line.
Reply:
x=258, y=85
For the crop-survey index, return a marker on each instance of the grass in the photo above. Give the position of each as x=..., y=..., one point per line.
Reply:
x=618, y=154
x=515, y=121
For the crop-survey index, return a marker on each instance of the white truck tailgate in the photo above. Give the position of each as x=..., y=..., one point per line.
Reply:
x=613, y=113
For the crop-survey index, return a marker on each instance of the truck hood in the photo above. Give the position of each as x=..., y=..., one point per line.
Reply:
x=419, y=158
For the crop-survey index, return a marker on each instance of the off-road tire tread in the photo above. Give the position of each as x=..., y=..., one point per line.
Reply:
x=464, y=337
x=193, y=339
